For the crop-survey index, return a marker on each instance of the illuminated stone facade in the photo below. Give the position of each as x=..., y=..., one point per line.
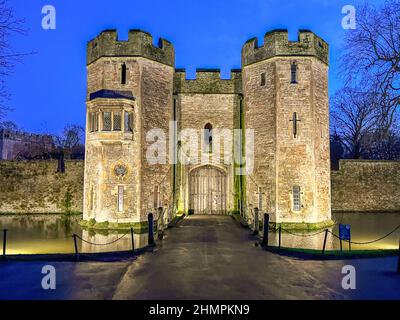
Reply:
x=281, y=93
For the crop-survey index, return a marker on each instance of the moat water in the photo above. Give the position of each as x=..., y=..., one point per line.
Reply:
x=35, y=234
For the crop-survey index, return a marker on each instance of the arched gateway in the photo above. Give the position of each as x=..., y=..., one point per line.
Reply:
x=207, y=187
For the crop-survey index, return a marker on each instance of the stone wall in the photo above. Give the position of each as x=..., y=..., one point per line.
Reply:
x=366, y=186
x=35, y=187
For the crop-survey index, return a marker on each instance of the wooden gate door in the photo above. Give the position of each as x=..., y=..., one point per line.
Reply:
x=207, y=187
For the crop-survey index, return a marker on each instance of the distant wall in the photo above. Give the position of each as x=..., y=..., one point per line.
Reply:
x=35, y=187
x=366, y=186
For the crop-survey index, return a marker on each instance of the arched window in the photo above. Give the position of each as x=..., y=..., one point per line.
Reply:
x=208, y=136
x=294, y=72
x=123, y=73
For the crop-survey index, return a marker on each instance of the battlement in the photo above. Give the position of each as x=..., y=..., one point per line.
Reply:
x=208, y=81
x=276, y=43
x=139, y=44
x=6, y=134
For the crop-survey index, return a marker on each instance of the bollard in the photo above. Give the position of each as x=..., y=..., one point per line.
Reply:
x=4, y=242
x=76, y=248
x=133, y=241
x=266, y=230
x=151, y=228
x=326, y=236
x=280, y=236
x=256, y=224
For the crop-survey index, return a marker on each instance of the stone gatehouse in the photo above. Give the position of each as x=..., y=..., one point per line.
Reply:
x=279, y=97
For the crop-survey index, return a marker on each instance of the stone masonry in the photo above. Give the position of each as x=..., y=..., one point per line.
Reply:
x=281, y=93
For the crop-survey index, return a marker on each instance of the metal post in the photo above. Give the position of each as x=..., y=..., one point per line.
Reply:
x=341, y=245
x=151, y=228
x=266, y=230
x=76, y=247
x=326, y=236
x=133, y=241
x=256, y=225
x=4, y=242
x=398, y=261
x=350, y=245
x=280, y=236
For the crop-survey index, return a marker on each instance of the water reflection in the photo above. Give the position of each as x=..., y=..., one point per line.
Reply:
x=37, y=234
x=364, y=227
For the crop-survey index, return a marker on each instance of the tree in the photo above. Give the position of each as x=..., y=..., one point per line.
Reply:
x=337, y=150
x=371, y=57
x=9, y=125
x=71, y=142
x=355, y=118
x=9, y=26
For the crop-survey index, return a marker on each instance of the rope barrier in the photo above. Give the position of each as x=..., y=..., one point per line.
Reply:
x=369, y=242
x=103, y=244
x=303, y=235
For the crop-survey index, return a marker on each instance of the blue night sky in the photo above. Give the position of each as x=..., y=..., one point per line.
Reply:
x=48, y=89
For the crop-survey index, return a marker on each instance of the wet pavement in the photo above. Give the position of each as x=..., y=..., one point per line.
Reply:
x=210, y=257
x=204, y=257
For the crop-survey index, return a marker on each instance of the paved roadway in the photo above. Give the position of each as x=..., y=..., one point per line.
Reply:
x=205, y=257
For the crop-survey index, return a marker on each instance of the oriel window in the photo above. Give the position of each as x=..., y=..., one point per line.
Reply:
x=117, y=121
x=107, y=121
x=128, y=119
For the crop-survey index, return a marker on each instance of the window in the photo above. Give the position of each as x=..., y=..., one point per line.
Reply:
x=107, y=121
x=117, y=121
x=128, y=121
x=294, y=72
x=296, y=198
x=94, y=121
x=208, y=137
x=120, y=198
x=123, y=73
x=263, y=79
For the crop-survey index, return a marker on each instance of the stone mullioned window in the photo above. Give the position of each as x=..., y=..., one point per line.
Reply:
x=111, y=121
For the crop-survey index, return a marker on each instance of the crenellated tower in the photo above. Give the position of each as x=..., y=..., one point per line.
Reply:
x=281, y=93
x=129, y=93
x=285, y=88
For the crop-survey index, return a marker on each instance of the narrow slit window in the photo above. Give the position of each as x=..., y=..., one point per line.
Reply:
x=123, y=73
x=263, y=80
x=294, y=72
x=107, y=121
x=128, y=121
x=117, y=121
x=208, y=137
x=120, y=198
x=296, y=198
